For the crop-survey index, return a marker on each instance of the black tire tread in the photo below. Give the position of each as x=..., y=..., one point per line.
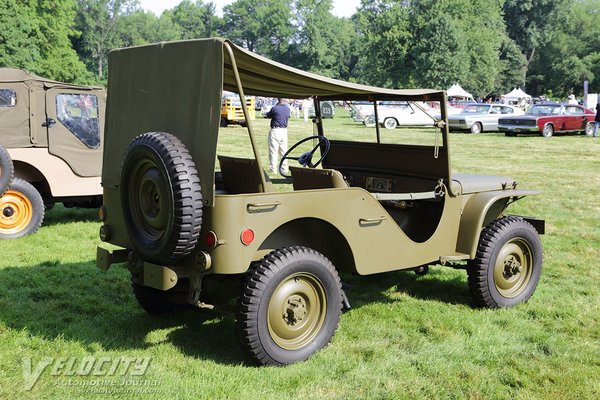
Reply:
x=255, y=285
x=187, y=196
x=6, y=170
x=478, y=267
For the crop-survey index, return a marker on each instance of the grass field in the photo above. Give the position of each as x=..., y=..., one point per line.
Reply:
x=406, y=336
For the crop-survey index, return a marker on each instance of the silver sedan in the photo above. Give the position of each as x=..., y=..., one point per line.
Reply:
x=476, y=118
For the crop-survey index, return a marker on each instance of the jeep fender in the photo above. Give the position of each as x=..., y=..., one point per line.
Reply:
x=481, y=209
x=317, y=234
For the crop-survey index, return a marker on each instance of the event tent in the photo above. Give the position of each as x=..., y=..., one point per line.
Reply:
x=455, y=91
x=516, y=94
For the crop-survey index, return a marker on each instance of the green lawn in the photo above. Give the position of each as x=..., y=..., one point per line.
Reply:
x=406, y=336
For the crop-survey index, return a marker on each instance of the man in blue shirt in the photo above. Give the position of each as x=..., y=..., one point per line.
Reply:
x=278, y=136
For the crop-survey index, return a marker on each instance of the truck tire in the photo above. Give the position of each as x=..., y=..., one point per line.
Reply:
x=290, y=306
x=21, y=210
x=508, y=263
x=161, y=197
x=6, y=170
x=153, y=301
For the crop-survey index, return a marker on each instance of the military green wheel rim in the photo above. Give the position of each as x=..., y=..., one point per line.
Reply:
x=513, y=268
x=297, y=311
x=148, y=197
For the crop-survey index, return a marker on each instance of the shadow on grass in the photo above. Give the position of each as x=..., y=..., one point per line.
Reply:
x=78, y=303
x=439, y=285
x=60, y=215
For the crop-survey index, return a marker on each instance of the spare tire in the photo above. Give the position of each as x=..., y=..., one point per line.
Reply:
x=6, y=170
x=161, y=197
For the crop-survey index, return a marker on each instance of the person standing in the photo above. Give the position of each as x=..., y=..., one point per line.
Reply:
x=597, y=120
x=572, y=100
x=278, y=135
x=305, y=107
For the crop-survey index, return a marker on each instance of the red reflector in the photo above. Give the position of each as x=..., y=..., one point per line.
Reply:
x=211, y=240
x=247, y=236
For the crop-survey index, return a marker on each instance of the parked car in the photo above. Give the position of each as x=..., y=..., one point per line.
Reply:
x=405, y=114
x=548, y=119
x=477, y=118
x=196, y=235
x=53, y=134
x=361, y=110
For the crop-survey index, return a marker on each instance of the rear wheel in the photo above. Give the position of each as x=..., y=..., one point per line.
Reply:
x=476, y=127
x=21, y=210
x=548, y=130
x=508, y=264
x=390, y=123
x=153, y=301
x=161, y=199
x=6, y=170
x=589, y=128
x=290, y=307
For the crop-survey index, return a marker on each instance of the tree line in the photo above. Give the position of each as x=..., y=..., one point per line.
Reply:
x=546, y=47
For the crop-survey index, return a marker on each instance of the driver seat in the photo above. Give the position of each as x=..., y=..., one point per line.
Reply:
x=311, y=178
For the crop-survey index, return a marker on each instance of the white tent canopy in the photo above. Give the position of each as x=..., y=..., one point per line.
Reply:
x=517, y=93
x=457, y=91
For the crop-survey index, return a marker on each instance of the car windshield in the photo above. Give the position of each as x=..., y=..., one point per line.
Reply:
x=476, y=109
x=544, y=109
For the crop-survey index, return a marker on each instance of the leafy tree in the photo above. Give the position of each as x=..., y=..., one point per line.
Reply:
x=534, y=23
x=36, y=34
x=262, y=26
x=100, y=22
x=385, y=39
x=143, y=27
x=196, y=19
x=323, y=43
x=431, y=43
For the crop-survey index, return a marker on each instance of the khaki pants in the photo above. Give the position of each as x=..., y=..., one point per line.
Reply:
x=278, y=144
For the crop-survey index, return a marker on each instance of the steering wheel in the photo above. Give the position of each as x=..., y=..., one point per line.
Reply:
x=306, y=158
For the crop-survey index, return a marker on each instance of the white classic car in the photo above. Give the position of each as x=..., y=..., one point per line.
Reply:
x=406, y=114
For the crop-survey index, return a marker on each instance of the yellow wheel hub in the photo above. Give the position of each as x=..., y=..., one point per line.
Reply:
x=16, y=212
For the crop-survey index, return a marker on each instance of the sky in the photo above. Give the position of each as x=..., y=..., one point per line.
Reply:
x=341, y=8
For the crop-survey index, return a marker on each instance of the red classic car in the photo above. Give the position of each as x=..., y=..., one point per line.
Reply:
x=548, y=119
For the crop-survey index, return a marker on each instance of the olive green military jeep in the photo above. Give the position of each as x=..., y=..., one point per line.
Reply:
x=52, y=136
x=196, y=234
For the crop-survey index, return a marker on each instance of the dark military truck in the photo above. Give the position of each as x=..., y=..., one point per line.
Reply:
x=206, y=229
x=52, y=133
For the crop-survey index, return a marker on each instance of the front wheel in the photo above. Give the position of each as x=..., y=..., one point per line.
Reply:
x=21, y=210
x=290, y=306
x=508, y=264
x=370, y=121
x=548, y=130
